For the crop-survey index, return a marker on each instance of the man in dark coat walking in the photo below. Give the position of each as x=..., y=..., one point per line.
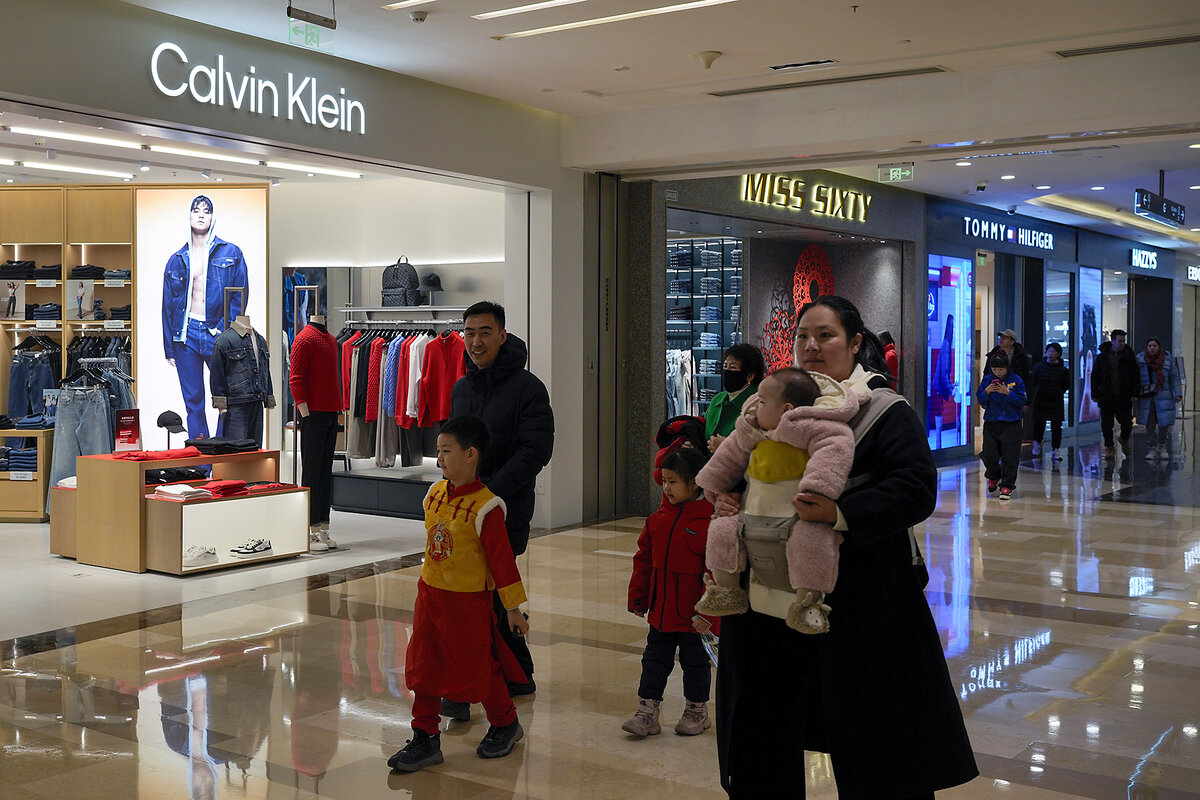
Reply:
x=515, y=406
x=1114, y=385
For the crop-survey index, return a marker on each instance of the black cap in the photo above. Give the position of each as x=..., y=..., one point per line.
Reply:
x=171, y=421
x=431, y=282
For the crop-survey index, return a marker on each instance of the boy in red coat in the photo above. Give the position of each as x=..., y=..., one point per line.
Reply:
x=455, y=651
x=668, y=579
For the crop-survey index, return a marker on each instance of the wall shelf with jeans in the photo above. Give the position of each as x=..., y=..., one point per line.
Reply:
x=21, y=499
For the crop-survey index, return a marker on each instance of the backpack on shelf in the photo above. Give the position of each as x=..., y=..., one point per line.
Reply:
x=400, y=285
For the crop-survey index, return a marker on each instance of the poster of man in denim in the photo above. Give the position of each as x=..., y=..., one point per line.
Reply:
x=193, y=306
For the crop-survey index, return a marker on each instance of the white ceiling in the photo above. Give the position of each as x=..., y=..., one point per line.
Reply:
x=607, y=72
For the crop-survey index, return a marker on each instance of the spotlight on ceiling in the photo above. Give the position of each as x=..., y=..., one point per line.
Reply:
x=206, y=173
x=274, y=181
x=144, y=167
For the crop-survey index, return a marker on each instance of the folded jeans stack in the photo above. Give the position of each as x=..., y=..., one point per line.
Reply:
x=118, y=274
x=120, y=312
x=709, y=340
x=735, y=284
x=735, y=258
x=679, y=259
x=4, y=451
x=88, y=271
x=710, y=313
x=679, y=286
x=735, y=337
x=17, y=269
x=48, y=272
x=710, y=285
x=23, y=460
x=48, y=311
x=182, y=491
x=679, y=312
x=735, y=314
x=709, y=366
x=34, y=422
x=710, y=258
x=708, y=394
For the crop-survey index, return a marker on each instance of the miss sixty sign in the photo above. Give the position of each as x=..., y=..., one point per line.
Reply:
x=218, y=87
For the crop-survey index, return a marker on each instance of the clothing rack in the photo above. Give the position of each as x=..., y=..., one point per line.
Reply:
x=363, y=324
x=103, y=360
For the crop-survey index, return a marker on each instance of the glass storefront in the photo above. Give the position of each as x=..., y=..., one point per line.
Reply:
x=949, y=351
x=1058, y=327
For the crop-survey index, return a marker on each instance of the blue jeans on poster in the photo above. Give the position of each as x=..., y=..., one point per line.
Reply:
x=190, y=360
x=244, y=421
x=82, y=428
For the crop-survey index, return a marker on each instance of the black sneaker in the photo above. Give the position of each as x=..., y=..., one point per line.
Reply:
x=420, y=751
x=499, y=742
x=521, y=689
x=456, y=711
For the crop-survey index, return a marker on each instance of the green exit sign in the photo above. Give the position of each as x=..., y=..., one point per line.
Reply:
x=305, y=34
x=897, y=172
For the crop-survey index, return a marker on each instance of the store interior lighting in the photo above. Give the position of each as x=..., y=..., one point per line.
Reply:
x=507, y=12
x=336, y=173
x=406, y=4
x=206, y=174
x=144, y=167
x=68, y=136
x=104, y=173
x=587, y=23
x=180, y=151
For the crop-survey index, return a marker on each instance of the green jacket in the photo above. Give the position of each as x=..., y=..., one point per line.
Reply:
x=723, y=412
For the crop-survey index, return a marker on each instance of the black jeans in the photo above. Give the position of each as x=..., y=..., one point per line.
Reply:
x=1039, y=430
x=245, y=421
x=658, y=660
x=1123, y=412
x=1002, y=451
x=318, y=439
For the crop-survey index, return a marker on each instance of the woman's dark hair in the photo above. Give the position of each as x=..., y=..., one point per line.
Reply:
x=870, y=354
x=750, y=357
x=1155, y=340
x=997, y=360
x=686, y=462
x=1056, y=347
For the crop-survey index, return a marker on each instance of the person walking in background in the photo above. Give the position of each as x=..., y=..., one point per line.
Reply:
x=741, y=372
x=1048, y=382
x=1114, y=386
x=1002, y=395
x=1161, y=389
x=667, y=580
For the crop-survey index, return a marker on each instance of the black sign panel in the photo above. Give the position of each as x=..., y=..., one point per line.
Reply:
x=1160, y=209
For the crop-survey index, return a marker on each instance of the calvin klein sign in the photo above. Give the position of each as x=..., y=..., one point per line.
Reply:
x=217, y=86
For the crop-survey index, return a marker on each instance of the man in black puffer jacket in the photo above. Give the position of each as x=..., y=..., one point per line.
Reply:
x=515, y=406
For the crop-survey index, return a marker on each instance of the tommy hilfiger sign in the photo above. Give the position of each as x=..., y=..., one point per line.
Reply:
x=999, y=232
x=217, y=86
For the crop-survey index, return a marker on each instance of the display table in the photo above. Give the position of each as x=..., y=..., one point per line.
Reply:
x=23, y=494
x=111, y=504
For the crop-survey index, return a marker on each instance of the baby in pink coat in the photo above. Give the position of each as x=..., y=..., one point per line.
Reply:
x=792, y=437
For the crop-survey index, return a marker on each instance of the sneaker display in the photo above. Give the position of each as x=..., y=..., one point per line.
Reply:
x=992, y=485
x=1006, y=493
x=315, y=545
x=423, y=750
x=499, y=742
x=252, y=548
x=199, y=556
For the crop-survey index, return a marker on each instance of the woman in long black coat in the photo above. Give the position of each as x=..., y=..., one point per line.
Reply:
x=874, y=692
x=1048, y=382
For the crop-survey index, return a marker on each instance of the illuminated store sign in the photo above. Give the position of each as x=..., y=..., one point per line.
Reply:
x=1193, y=273
x=214, y=85
x=793, y=194
x=999, y=232
x=1143, y=259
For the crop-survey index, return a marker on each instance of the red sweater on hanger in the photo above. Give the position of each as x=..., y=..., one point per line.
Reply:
x=374, y=367
x=314, y=370
x=402, y=417
x=347, y=347
x=443, y=365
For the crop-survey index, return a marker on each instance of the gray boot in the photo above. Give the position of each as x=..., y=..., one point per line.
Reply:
x=694, y=720
x=644, y=721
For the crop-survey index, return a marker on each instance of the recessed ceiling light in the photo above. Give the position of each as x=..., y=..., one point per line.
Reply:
x=144, y=167
x=1197, y=186
x=309, y=174
x=206, y=173
x=181, y=151
x=405, y=4
x=336, y=173
x=1042, y=186
x=73, y=137
x=57, y=167
x=1007, y=177
x=962, y=163
x=1118, y=272
x=508, y=12
x=1195, y=146
x=585, y=23
x=1097, y=188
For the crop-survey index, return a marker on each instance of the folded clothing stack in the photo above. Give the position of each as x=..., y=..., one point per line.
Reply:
x=267, y=486
x=709, y=340
x=34, y=422
x=23, y=460
x=735, y=284
x=735, y=337
x=710, y=313
x=175, y=474
x=708, y=394
x=735, y=314
x=157, y=455
x=735, y=258
x=710, y=258
x=4, y=451
x=17, y=269
x=679, y=286
x=679, y=312
x=68, y=482
x=50, y=271
x=677, y=259
x=115, y=274
x=219, y=445
x=225, y=488
x=87, y=271
x=709, y=366
x=120, y=312
x=48, y=311
x=98, y=311
x=6, y=422
x=182, y=491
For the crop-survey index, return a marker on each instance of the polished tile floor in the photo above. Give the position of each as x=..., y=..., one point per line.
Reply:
x=1070, y=618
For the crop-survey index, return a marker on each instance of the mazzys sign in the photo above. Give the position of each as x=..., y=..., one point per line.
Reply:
x=297, y=97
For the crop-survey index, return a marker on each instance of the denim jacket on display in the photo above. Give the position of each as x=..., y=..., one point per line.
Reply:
x=238, y=374
x=226, y=267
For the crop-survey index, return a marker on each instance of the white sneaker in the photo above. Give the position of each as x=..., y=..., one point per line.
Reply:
x=1164, y=453
x=315, y=545
x=252, y=548
x=198, y=556
x=323, y=535
x=1037, y=448
x=1055, y=456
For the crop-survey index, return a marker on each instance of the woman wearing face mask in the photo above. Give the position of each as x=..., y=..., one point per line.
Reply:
x=741, y=373
x=1161, y=390
x=874, y=692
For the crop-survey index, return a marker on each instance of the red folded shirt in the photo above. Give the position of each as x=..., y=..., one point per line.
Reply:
x=225, y=488
x=157, y=455
x=268, y=487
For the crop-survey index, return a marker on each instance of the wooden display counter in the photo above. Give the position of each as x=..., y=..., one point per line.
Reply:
x=110, y=529
x=23, y=495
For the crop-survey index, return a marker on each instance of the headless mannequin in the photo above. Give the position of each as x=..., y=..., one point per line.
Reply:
x=319, y=319
x=242, y=321
x=318, y=428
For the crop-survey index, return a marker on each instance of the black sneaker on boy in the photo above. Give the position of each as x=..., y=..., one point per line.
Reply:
x=423, y=750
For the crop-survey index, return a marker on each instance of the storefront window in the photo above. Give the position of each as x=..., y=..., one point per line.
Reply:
x=948, y=356
x=1116, y=303
x=1058, y=325
x=1088, y=331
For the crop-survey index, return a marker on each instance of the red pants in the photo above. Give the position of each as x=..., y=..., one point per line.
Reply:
x=497, y=705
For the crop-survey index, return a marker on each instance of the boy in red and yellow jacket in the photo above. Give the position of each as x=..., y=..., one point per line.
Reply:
x=455, y=652
x=667, y=581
